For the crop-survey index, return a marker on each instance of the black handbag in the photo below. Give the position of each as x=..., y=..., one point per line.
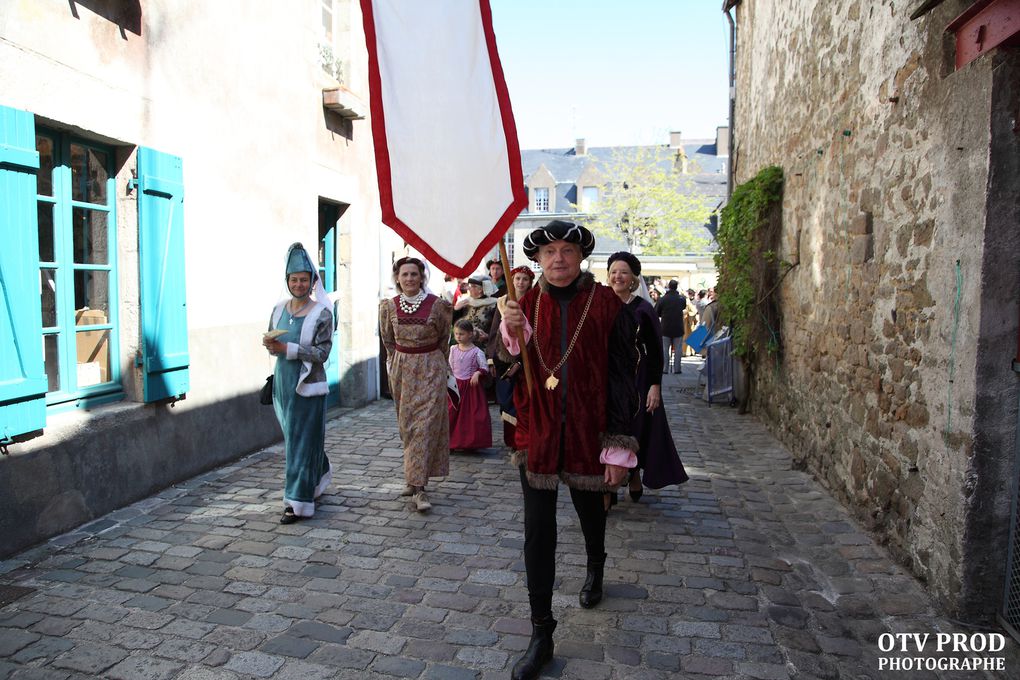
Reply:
x=266, y=393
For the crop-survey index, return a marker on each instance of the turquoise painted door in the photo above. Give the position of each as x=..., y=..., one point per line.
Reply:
x=22, y=371
x=328, y=215
x=161, y=262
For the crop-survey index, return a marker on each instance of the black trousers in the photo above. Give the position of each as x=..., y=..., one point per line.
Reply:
x=540, y=538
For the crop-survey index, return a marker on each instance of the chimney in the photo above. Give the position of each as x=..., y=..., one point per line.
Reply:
x=580, y=148
x=680, y=162
x=674, y=139
x=722, y=141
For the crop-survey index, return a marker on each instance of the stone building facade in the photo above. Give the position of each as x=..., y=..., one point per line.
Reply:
x=246, y=106
x=899, y=320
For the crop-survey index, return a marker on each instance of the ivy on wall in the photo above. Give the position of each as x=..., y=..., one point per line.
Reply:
x=749, y=267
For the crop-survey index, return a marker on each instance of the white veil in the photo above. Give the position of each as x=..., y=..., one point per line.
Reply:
x=642, y=290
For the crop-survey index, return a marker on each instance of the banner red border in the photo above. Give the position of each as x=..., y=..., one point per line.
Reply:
x=382, y=154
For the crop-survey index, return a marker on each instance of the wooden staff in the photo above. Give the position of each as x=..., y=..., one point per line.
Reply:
x=511, y=293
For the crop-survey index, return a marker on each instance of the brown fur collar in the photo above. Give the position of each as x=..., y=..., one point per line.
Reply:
x=585, y=281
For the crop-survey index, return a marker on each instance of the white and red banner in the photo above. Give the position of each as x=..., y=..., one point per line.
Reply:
x=447, y=156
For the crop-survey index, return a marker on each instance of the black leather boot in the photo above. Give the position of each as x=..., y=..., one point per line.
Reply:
x=591, y=591
x=539, y=652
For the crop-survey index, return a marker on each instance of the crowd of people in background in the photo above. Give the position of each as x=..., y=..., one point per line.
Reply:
x=479, y=370
x=680, y=315
x=447, y=361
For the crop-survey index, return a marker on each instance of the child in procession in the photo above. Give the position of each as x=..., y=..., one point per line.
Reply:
x=470, y=426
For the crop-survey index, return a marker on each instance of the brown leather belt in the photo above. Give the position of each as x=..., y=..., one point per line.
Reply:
x=417, y=350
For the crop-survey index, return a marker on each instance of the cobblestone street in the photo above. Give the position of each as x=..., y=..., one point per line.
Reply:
x=750, y=570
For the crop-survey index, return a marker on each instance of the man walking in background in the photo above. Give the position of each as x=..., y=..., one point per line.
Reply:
x=672, y=309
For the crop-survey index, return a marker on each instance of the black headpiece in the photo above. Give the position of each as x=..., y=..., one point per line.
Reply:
x=629, y=258
x=558, y=230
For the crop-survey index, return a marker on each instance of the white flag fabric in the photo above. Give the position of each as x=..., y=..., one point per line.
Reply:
x=447, y=156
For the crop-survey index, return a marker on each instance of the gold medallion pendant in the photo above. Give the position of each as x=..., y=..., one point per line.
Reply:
x=551, y=382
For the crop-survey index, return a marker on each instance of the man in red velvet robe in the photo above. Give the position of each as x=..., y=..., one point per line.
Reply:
x=575, y=425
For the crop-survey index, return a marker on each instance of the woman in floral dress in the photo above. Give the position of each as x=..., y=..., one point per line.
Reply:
x=415, y=327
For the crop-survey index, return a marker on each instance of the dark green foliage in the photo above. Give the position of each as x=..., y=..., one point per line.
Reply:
x=749, y=269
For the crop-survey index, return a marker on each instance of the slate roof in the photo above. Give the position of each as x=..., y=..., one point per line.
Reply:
x=708, y=171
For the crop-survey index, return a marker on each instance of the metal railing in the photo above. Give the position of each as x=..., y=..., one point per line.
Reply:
x=719, y=370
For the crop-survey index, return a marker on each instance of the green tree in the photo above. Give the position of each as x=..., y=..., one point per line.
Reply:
x=647, y=201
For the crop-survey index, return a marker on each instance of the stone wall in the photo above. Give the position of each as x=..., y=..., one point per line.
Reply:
x=906, y=244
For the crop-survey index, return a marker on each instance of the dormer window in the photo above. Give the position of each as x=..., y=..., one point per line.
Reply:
x=589, y=198
x=540, y=185
x=541, y=199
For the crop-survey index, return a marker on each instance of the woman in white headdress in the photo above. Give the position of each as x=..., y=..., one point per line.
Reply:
x=300, y=336
x=478, y=307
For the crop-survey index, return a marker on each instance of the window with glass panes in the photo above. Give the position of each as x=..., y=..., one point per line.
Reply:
x=77, y=266
x=541, y=199
x=327, y=21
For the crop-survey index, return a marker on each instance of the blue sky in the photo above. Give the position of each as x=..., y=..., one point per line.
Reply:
x=615, y=73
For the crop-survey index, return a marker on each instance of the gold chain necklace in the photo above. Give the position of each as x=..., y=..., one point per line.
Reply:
x=552, y=381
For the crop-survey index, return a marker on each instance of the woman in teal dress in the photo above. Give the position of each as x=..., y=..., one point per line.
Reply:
x=301, y=343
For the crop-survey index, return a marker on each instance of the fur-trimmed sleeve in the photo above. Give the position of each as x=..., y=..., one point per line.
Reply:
x=322, y=340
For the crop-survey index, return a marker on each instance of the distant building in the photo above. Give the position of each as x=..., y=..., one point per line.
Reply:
x=564, y=184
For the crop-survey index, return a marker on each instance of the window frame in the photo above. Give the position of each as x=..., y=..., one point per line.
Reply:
x=62, y=203
x=328, y=36
x=539, y=199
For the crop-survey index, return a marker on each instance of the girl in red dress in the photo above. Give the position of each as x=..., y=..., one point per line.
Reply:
x=470, y=426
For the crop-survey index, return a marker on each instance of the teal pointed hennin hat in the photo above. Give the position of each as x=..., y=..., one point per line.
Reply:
x=298, y=261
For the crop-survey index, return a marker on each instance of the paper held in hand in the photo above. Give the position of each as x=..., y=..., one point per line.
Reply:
x=273, y=335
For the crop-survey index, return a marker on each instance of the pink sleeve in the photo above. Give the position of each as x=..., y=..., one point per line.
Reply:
x=510, y=340
x=480, y=361
x=617, y=456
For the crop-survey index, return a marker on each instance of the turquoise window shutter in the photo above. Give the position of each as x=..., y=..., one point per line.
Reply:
x=22, y=371
x=161, y=263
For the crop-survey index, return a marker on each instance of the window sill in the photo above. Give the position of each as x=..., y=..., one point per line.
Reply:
x=342, y=101
x=85, y=402
x=64, y=421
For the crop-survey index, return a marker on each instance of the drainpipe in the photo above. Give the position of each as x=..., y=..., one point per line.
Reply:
x=727, y=5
